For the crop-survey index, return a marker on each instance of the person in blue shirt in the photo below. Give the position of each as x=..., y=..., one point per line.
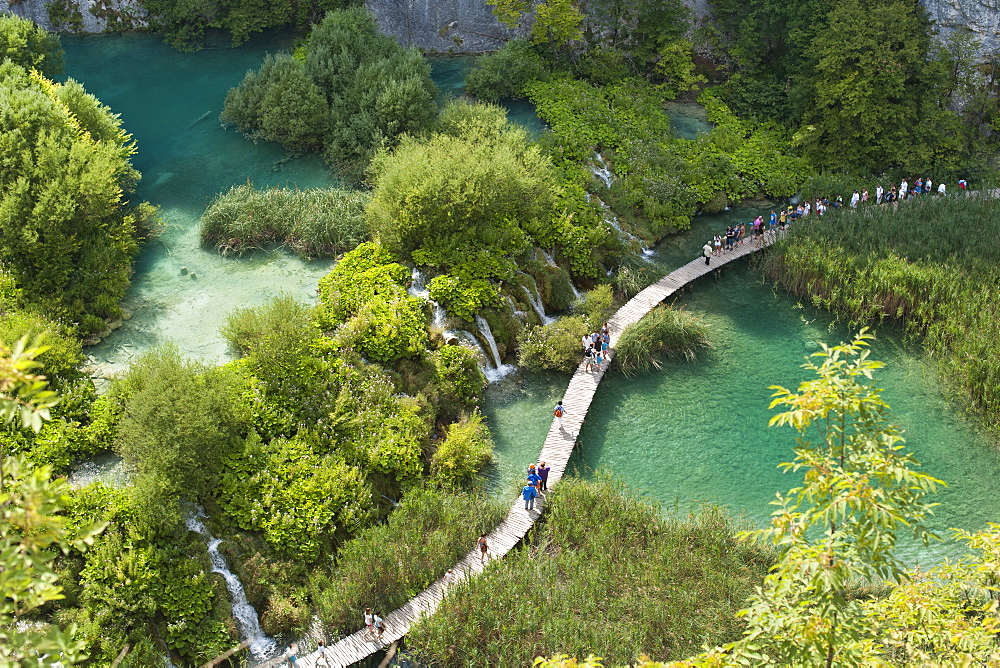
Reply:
x=535, y=481
x=528, y=494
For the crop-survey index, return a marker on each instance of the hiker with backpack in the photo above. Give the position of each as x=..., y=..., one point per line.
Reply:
x=558, y=413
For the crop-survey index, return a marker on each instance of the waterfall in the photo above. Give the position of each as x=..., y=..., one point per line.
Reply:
x=417, y=286
x=499, y=370
x=601, y=171
x=438, y=318
x=519, y=314
x=261, y=645
x=549, y=260
x=536, y=303
x=612, y=220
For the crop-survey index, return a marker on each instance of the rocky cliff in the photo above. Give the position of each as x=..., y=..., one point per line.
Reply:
x=456, y=25
x=441, y=25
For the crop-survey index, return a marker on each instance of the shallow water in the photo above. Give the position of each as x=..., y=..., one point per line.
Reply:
x=697, y=432
x=170, y=102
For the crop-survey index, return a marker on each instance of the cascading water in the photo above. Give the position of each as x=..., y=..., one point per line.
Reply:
x=549, y=260
x=536, y=304
x=417, y=286
x=261, y=646
x=500, y=370
x=601, y=171
x=519, y=314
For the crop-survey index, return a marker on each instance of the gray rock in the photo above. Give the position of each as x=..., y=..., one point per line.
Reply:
x=462, y=26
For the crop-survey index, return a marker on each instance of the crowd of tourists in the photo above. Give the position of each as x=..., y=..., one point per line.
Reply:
x=760, y=231
x=595, y=348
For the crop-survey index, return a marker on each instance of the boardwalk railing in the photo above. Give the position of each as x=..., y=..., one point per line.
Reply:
x=556, y=452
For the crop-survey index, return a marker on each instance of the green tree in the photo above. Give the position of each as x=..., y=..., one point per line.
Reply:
x=557, y=24
x=840, y=526
x=32, y=526
x=30, y=46
x=463, y=453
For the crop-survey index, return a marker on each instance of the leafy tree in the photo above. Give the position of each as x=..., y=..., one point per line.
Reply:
x=30, y=46
x=557, y=24
x=840, y=526
x=458, y=375
x=463, y=453
x=67, y=235
x=466, y=199
x=31, y=524
x=504, y=73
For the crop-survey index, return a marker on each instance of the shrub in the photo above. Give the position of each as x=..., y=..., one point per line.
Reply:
x=30, y=46
x=465, y=450
x=62, y=360
x=664, y=332
x=463, y=298
x=458, y=375
x=554, y=346
x=504, y=73
x=596, y=306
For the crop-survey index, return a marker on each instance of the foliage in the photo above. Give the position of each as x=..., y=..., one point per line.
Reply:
x=318, y=222
x=921, y=265
x=675, y=71
x=664, y=332
x=553, y=346
x=66, y=233
x=298, y=497
x=463, y=453
x=386, y=565
x=63, y=354
x=458, y=374
x=466, y=199
x=364, y=297
x=281, y=328
x=354, y=91
x=504, y=73
x=557, y=24
x=601, y=555
x=28, y=45
x=596, y=306
x=185, y=23
x=463, y=298
x=840, y=525
x=176, y=428
x=31, y=524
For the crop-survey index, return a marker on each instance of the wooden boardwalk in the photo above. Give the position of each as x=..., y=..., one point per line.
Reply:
x=556, y=452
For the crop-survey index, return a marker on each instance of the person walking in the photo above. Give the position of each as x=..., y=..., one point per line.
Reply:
x=483, y=548
x=370, y=622
x=322, y=658
x=706, y=250
x=855, y=198
x=588, y=358
x=293, y=658
x=535, y=481
x=941, y=189
x=379, y=626
x=558, y=413
x=543, y=473
x=903, y=185
x=878, y=193
x=528, y=494
x=928, y=185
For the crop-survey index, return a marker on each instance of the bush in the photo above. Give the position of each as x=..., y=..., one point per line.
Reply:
x=596, y=306
x=30, y=46
x=504, y=73
x=61, y=362
x=385, y=566
x=664, y=332
x=554, y=346
x=318, y=222
x=465, y=450
x=458, y=375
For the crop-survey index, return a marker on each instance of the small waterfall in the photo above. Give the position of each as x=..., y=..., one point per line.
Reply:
x=261, y=645
x=499, y=370
x=512, y=305
x=417, y=286
x=601, y=171
x=612, y=220
x=549, y=260
x=438, y=318
x=536, y=303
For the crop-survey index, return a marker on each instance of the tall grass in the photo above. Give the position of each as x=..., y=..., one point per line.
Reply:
x=663, y=333
x=386, y=565
x=931, y=266
x=605, y=574
x=318, y=222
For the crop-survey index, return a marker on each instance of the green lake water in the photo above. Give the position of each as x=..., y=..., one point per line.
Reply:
x=689, y=433
x=697, y=432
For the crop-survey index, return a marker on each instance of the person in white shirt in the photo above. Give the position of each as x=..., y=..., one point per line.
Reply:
x=941, y=189
x=878, y=194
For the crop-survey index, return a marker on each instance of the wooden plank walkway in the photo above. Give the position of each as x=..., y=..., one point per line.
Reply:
x=556, y=452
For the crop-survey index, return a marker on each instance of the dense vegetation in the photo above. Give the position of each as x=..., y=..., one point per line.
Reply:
x=921, y=265
x=67, y=231
x=604, y=572
x=346, y=91
x=663, y=333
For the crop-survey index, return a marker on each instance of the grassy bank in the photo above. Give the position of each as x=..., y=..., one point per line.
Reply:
x=929, y=265
x=606, y=574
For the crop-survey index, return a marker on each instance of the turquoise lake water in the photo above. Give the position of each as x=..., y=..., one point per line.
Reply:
x=686, y=434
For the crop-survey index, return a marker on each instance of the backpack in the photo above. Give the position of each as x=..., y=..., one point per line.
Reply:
x=558, y=412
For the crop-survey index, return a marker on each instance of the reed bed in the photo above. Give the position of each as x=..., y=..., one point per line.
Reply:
x=604, y=574
x=663, y=333
x=317, y=222
x=930, y=266
x=387, y=565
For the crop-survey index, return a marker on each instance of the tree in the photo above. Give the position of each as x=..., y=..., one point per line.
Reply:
x=840, y=526
x=31, y=525
x=30, y=46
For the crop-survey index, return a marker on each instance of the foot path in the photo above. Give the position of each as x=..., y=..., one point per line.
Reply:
x=556, y=451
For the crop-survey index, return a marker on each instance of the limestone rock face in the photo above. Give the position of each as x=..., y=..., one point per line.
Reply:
x=980, y=17
x=91, y=15
x=462, y=26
